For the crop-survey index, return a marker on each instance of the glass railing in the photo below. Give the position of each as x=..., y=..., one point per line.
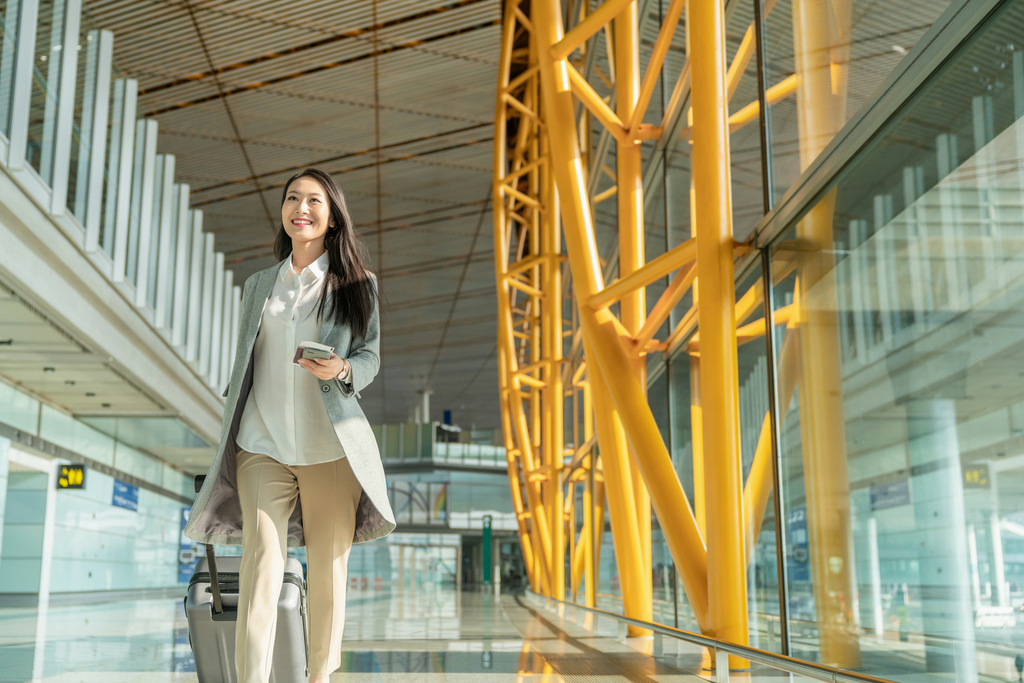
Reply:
x=413, y=443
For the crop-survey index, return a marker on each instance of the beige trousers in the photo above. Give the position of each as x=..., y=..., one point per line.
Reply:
x=267, y=491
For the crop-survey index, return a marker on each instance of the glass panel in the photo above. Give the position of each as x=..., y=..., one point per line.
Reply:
x=756, y=452
x=42, y=117
x=8, y=43
x=744, y=126
x=823, y=61
x=156, y=229
x=18, y=410
x=81, y=129
x=111, y=167
x=899, y=362
x=662, y=567
x=680, y=445
x=140, y=169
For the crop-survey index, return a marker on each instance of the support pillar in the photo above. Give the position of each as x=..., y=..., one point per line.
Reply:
x=727, y=587
x=630, y=195
x=938, y=500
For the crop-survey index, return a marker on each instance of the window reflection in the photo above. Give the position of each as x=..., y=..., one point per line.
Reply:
x=823, y=61
x=902, y=460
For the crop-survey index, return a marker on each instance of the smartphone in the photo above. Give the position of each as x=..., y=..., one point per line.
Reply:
x=310, y=352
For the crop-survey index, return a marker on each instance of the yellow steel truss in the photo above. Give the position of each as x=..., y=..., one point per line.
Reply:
x=609, y=444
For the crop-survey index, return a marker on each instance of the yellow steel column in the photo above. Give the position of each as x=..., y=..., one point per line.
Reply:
x=607, y=353
x=727, y=587
x=550, y=247
x=820, y=114
x=539, y=530
x=630, y=193
x=501, y=224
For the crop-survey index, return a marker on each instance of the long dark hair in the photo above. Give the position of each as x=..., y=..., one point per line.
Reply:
x=348, y=278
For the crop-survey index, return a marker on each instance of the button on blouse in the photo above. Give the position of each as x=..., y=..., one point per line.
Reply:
x=284, y=416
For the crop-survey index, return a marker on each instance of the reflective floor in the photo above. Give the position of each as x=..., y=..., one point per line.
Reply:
x=429, y=635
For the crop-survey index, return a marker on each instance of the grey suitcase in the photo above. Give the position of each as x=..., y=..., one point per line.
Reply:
x=211, y=606
x=211, y=632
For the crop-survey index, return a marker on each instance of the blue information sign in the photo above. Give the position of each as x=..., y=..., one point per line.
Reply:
x=125, y=495
x=186, y=551
x=799, y=555
x=885, y=496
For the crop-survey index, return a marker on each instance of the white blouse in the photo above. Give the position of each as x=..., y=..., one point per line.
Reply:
x=284, y=416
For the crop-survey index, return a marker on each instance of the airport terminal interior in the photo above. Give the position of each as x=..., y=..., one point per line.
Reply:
x=701, y=328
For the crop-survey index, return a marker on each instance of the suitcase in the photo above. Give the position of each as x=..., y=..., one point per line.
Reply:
x=211, y=606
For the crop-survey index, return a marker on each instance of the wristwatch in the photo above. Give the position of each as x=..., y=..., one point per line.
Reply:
x=343, y=375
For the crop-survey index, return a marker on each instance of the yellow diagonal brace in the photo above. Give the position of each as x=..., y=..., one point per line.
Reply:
x=588, y=27
x=667, y=495
x=653, y=270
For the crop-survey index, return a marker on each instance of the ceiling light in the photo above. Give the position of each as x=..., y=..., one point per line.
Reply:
x=48, y=370
x=106, y=405
x=90, y=393
x=898, y=48
x=70, y=382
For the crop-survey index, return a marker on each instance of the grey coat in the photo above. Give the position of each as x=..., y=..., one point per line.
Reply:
x=216, y=516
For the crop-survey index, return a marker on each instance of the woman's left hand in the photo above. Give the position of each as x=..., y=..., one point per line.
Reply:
x=325, y=369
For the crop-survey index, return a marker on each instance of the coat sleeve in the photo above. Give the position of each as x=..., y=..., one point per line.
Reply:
x=364, y=356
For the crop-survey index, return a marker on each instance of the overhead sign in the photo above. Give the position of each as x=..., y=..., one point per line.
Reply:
x=976, y=476
x=894, y=494
x=71, y=477
x=125, y=496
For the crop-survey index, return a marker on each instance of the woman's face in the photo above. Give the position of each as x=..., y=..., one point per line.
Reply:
x=306, y=213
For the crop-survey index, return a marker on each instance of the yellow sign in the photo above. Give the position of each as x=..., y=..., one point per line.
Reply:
x=976, y=476
x=71, y=477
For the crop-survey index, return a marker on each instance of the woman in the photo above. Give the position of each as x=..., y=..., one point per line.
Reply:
x=298, y=463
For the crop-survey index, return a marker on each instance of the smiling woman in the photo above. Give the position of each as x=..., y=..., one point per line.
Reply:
x=298, y=463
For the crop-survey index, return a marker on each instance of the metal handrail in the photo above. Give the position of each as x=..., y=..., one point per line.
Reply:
x=724, y=648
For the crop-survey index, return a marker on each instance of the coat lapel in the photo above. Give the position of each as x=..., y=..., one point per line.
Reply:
x=260, y=296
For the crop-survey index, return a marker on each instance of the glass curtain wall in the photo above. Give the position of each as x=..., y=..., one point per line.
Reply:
x=898, y=334
x=895, y=373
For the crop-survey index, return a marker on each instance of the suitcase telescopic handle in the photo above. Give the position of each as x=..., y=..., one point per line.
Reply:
x=211, y=558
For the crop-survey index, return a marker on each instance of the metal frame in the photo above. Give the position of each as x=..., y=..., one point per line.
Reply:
x=140, y=222
x=92, y=153
x=195, y=284
x=161, y=252
x=119, y=173
x=66, y=107
x=21, y=92
x=178, y=303
x=206, y=307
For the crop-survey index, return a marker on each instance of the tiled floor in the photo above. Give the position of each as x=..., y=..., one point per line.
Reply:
x=430, y=635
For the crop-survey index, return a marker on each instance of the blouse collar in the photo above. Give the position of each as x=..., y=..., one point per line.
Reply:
x=314, y=272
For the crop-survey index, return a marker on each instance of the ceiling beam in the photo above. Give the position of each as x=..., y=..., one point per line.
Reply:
x=326, y=66
x=305, y=47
